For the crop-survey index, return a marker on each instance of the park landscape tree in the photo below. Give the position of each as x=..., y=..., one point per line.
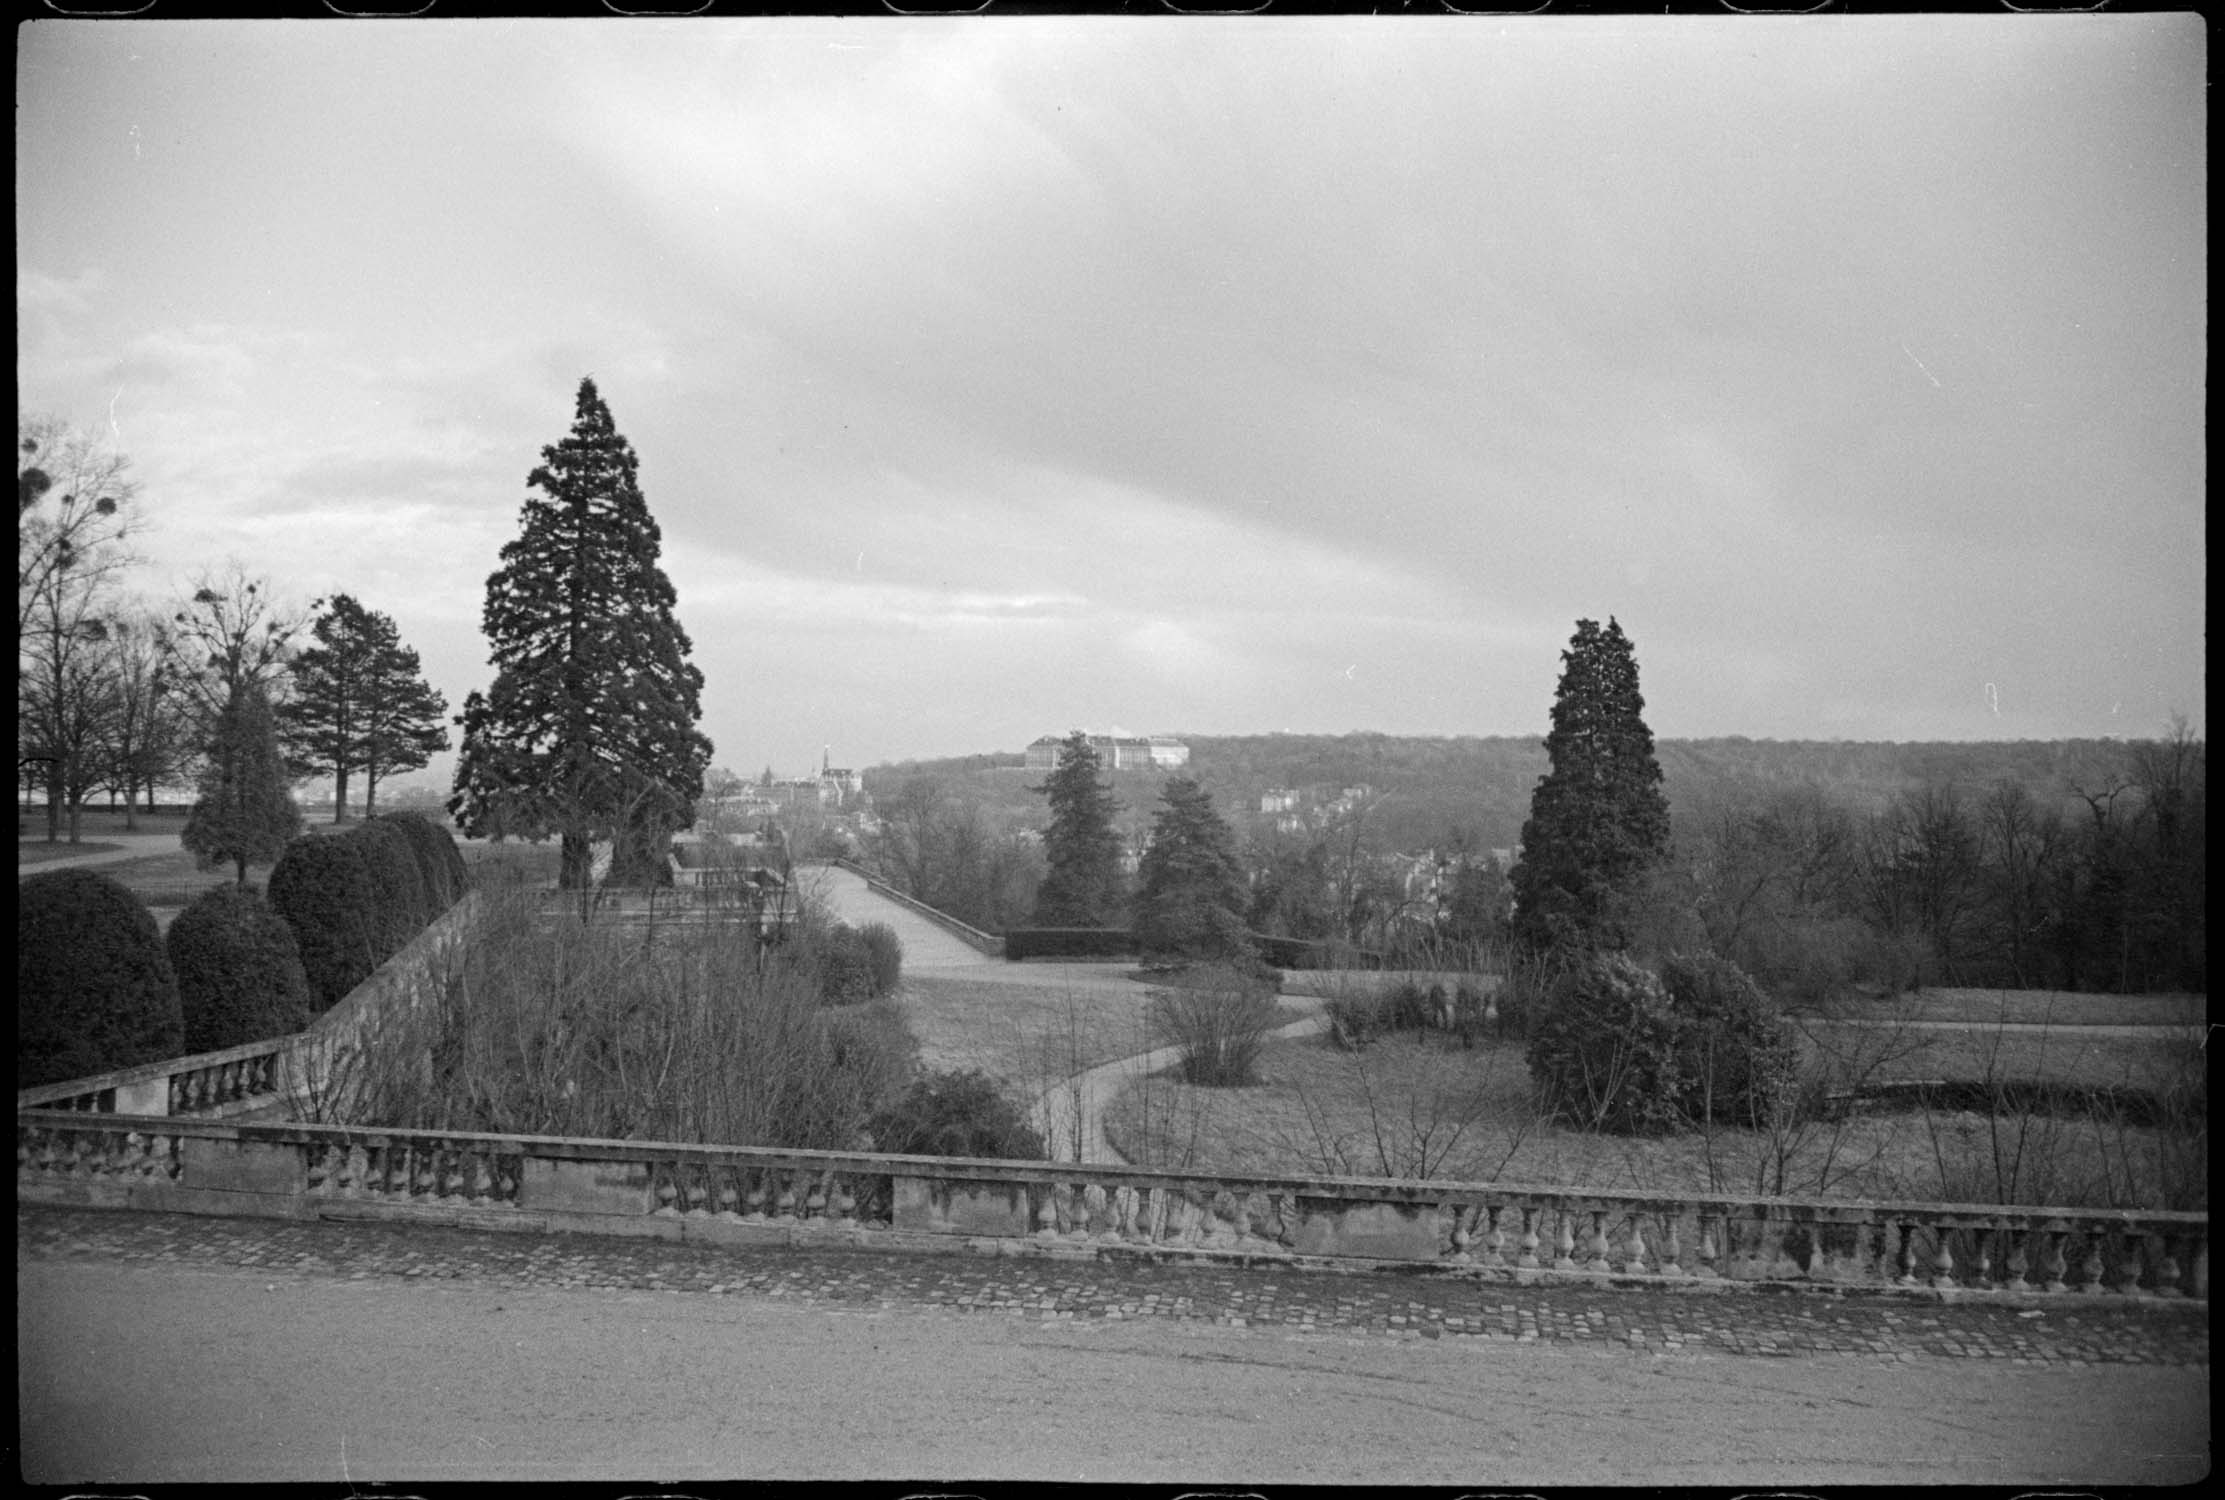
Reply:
x=360, y=702
x=1598, y=820
x=76, y=512
x=244, y=813
x=1081, y=887
x=1191, y=894
x=588, y=731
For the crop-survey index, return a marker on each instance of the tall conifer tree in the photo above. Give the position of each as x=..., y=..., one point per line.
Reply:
x=1082, y=886
x=245, y=812
x=588, y=731
x=1192, y=892
x=360, y=702
x=1598, y=820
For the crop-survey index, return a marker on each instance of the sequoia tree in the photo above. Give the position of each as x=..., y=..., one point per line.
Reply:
x=1082, y=886
x=588, y=731
x=359, y=701
x=1598, y=820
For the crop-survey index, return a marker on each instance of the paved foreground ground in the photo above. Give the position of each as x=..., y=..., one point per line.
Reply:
x=153, y=1348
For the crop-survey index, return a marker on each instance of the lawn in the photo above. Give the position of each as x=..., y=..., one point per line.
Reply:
x=1422, y=1106
x=1028, y=1025
x=34, y=852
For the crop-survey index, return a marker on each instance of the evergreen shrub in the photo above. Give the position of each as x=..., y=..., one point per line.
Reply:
x=239, y=971
x=886, y=951
x=439, y=863
x=1736, y=1058
x=1604, y=1053
x=322, y=889
x=957, y=1114
x=845, y=966
x=403, y=903
x=94, y=989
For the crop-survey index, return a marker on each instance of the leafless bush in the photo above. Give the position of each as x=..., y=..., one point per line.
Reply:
x=611, y=1031
x=1220, y=1021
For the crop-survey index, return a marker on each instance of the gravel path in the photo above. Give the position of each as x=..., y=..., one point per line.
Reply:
x=158, y=1348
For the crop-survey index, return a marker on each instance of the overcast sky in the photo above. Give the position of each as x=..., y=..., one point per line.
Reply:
x=993, y=378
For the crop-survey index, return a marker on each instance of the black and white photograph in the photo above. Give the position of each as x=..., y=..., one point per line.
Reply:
x=1149, y=749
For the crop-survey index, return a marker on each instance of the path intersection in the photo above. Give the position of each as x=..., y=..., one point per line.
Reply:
x=1293, y=1304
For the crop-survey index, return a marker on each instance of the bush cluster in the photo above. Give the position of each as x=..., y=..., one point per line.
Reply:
x=440, y=864
x=1605, y=1052
x=1219, y=1018
x=957, y=1114
x=1357, y=1019
x=1616, y=1047
x=1068, y=942
x=401, y=905
x=886, y=950
x=94, y=990
x=239, y=971
x=1736, y=1061
x=845, y=966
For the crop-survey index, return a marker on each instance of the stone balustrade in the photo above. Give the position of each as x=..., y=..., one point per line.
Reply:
x=1488, y=1231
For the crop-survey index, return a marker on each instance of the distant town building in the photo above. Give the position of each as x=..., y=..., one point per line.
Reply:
x=1118, y=752
x=1279, y=799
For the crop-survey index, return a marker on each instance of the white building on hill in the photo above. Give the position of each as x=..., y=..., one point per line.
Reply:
x=1119, y=752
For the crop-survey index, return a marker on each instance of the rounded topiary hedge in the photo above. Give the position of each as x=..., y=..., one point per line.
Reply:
x=94, y=989
x=322, y=889
x=439, y=863
x=403, y=904
x=1604, y=1053
x=239, y=971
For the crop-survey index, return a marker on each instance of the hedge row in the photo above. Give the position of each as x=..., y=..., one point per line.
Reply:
x=1069, y=942
x=355, y=898
x=239, y=971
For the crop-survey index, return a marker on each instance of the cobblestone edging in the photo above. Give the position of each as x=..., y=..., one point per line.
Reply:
x=2146, y=1331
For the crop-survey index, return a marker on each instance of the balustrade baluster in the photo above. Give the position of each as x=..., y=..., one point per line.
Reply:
x=1462, y=1238
x=669, y=1201
x=729, y=1196
x=482, y=1181
x=1089, y=1208
x=1907, y=1257
x=815, y=1202
x=1669, y=1246
x=2018, y=1262
x=1981, y=1273
x=1564, y=1240
x=1943, y=1260
x=1529, y=1243
x=1711, y=1228
x=2166, y=1269
x=2055, y=1265
x=1597, y=1244
x=2128, y=1265
x=1494, y=1239
x=1635, y=1260
x=845, y=1202
x=784, y=1205
x=753, y=1199
x=2094, y=1269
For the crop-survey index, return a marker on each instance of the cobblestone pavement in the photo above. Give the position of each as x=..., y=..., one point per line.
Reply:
x=1288, y=1303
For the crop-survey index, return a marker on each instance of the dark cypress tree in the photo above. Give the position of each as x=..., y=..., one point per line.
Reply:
x=1082, y=885
x=1598, y=821
x=245, y=812
x=588, y=731
x=360, y=701
x=1192, y=896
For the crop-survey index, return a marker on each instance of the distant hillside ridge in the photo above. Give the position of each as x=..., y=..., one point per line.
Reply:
x=1423, y=788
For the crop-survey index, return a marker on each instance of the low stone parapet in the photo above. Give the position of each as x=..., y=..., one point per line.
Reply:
x=740, y=1195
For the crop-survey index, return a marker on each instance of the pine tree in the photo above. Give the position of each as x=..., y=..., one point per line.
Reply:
x=1598, y=820
x=1192, y=896
x=245, y=812
x=1082, y=886
x=359, y=700
x=588, y=731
